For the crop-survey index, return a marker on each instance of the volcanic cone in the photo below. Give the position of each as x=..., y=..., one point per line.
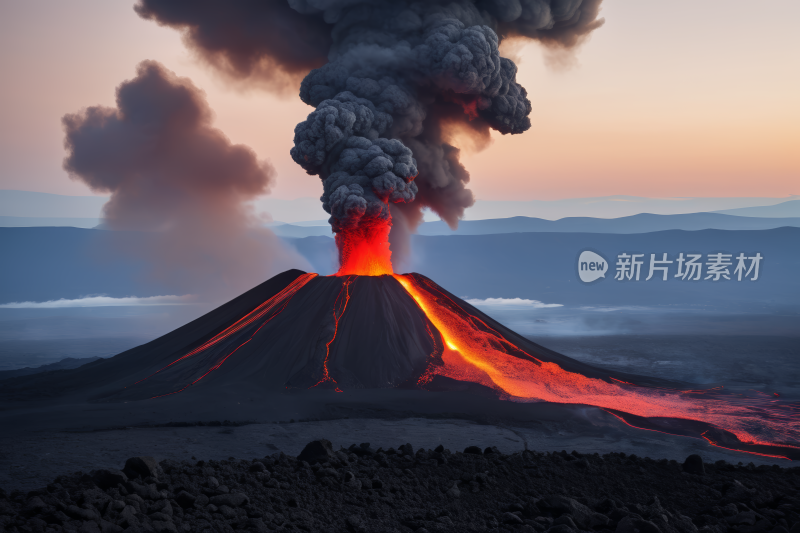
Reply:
x=301, y=331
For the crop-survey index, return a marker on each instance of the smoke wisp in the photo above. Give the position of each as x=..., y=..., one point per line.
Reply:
x=171, y=173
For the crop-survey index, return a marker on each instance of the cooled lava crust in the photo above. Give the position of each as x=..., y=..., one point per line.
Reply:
x=361, y=489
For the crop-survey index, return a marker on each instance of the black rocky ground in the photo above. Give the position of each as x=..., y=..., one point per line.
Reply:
x=364, y=490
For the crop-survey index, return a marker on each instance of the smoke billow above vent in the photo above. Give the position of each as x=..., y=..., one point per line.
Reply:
x=170, y=172
x=392, y=83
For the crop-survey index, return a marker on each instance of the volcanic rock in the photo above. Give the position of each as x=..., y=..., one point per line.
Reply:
x=511, y=518
x=639, y=495
x=636, y=525
x=317, y=451
x=185, y=499
x=105, y=479
x=694, y=465
x=231, y=500
x=143, y=467
x=561, y=505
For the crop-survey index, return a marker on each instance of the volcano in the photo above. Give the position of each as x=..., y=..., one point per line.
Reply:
x=301, y=331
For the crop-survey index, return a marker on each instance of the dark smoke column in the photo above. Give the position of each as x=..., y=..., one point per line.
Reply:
x=362, y=171
x=401, y=80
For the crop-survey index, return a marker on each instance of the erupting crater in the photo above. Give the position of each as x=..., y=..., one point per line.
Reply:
x=364, y=250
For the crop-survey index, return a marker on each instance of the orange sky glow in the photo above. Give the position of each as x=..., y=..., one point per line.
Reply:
x=666, y=99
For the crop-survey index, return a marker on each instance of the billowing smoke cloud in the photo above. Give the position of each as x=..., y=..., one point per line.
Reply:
x=171, y=173
x=420, y=73
x=362, y=171
x=265, y=42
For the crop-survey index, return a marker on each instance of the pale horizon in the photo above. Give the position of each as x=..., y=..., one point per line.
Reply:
x=658, y=105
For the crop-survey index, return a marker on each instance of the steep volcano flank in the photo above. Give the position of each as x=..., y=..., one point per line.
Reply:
x=107, y=376
x=381, y=338
x=330, y=332
x=204, y=361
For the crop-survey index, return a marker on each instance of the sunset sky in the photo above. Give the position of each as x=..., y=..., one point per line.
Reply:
x=680, y=98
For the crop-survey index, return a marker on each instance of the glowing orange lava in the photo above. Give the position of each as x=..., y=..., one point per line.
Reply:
x=364, y=250
x=475, y=352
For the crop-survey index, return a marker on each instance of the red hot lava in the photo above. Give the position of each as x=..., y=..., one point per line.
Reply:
x=364, y=250
x=475, y=352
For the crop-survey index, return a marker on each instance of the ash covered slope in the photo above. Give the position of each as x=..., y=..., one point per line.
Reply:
x=117, y=371
x=350, y=331
x=295, y=330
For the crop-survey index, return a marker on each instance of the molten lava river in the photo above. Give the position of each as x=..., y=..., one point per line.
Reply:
x=477, y=353
x=364, y=251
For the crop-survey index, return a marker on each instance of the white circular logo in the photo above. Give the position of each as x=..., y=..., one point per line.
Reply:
x=591, y=266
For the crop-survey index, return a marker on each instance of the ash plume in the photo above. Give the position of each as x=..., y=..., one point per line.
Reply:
x=267, y=42
x=418, y=74
x=171, y=173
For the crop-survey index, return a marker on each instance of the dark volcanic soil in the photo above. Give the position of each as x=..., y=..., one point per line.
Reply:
x=405, y=490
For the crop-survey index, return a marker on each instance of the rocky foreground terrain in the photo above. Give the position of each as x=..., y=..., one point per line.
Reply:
x=361, y=489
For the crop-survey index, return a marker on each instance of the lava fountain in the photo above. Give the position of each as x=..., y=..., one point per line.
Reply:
x=364, y=250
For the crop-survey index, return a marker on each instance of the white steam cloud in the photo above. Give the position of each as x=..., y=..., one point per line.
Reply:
x=510, y=303
x=104, y=301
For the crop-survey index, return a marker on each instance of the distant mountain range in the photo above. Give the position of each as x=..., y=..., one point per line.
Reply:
x=33, y=222
x=784, y=209
x=617, y=206
x=300, y=210
x=643, y=223
x=64, y=364
x=38, y=205
x=544, y=267
x=53, y=263
x=45, y=205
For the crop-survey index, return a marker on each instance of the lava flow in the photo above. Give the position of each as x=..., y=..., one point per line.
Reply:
x=476, y=352
x=364, y=250
x=339, y=307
